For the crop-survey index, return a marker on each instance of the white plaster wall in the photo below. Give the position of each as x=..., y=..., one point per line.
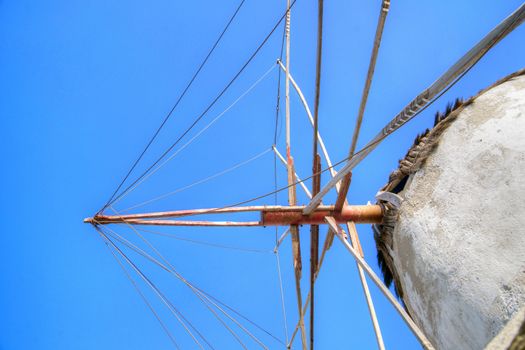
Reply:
x=459, y=244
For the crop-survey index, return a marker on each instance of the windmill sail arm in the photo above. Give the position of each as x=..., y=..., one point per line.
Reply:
x=269, y=216
x=422, y=100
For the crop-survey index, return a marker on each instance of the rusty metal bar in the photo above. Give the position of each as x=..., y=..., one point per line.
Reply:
x=314, y=247
x=422, y=100
x=176, y=223
x=343, y=190
x=357, y=213
x=270, y=216
x=404, y=315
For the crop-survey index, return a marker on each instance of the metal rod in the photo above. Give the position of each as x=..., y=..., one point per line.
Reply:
x=343, y=190
x=297, y=177
x=310, y=117
x=365, y=214
x=410, y=323
x=330, y=235
x=314, y=248
x=371, y=67
x=361, y=213
x=423, y=99
x=179, y=223
x=294, y=229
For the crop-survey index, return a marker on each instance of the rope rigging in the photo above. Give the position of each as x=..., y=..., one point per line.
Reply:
x=142, y=296
x=203, y=113
x=414, y=108
x=198, y=293
x=196, y=136
x=201, y=181
x=172, y=309
x=204, y=297
x=209, y=244
x=428, y=96
x=179, y=99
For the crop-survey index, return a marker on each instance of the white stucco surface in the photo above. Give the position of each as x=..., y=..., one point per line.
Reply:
x=459, y=244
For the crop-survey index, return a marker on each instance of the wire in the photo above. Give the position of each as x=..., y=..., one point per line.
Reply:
x=201, y=181
x=190, y=141
x=170, y=306
x=385, y=5
x=196, y=292
x=206, y=243
x=223, y=91
x=172, y=271
x=143, y=297
x=181, y=96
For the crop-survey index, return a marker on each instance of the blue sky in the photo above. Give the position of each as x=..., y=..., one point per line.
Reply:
x=83, y=85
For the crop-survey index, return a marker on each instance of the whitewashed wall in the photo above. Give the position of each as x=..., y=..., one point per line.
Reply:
x=459, y=244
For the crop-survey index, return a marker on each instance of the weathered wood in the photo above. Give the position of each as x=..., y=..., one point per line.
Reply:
x=270, y=215
x=314, y=247
x=408, y=320
x=424, y=98
x=342, y=191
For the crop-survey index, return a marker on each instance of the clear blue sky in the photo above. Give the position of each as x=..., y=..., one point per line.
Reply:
x=83, y=85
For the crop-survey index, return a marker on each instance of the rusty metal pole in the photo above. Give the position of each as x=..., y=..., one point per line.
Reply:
x=269, y=216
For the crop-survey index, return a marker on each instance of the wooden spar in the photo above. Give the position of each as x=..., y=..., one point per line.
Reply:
x=342, y=191
x=314, y=247
x=297, y=178
x=422, y=100
x=330, y=235
x=270, y=216
x=385, y=6
x=310, y=117
x=178, y=223
x=294, y=229
x=316, y=170
x=408, y=320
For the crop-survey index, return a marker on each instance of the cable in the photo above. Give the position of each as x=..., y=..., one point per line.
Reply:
x=223, y=91
x=141, y=294
x=198, y=134
x=197, y=293
x=170, y=306
x=171, y=271
x=206, y=243
x=198, y=182
x=196, y=290
x=176, y=103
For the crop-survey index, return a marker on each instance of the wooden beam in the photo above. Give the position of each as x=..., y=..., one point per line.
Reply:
x=270, y=215
x=447, y=79
x=343, y=190
x=404, y=315
x=314, y=247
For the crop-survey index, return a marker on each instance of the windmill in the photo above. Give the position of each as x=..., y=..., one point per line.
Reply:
x=315, y=213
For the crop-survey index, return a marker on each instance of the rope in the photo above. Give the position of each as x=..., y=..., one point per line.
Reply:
x=172, y=271
x=427, y=97
x=281, y=289
x=178, y=276
x=181, y=96
x=249, y=250
x=314, y=229
x=277, y=241
x=143, y=297
x=201, y=181
x=223, y=91
x=174, y=311
x=219, y=116
x=318, y=66
x=267, y=194
x=197, y=293
x=244, y=317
